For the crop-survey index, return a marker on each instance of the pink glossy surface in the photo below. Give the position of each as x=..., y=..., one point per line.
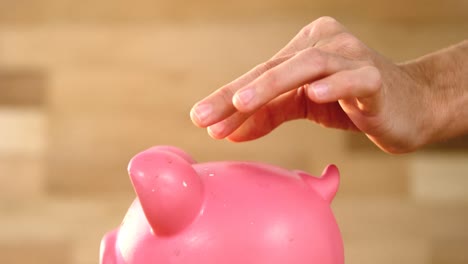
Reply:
x=224, y=212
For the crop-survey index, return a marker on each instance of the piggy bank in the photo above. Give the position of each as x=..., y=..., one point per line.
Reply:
x=224, y=213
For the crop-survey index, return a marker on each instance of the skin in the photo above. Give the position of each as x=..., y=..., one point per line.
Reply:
x=328, y=76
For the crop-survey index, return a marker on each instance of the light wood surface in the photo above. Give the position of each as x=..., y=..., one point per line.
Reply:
x=85, y=85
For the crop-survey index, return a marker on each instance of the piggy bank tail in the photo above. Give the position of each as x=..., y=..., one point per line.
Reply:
x=327, y=185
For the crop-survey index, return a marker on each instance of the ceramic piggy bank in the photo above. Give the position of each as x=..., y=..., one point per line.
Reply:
x=224, y=213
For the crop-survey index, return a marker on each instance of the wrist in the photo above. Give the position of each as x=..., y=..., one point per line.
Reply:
x=425, y=119
x=442, y=78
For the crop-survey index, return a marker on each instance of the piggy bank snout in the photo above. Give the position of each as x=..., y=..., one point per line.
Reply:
x=168, y=188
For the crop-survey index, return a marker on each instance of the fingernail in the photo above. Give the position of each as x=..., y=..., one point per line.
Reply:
x=320, y=90
x=202, y=111
x=217, y=130
x=245, y=97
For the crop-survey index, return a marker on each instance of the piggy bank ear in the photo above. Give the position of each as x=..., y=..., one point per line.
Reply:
x=327, y=184
x=169, y=189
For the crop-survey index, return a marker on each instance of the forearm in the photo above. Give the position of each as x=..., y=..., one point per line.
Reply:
x=444, y=75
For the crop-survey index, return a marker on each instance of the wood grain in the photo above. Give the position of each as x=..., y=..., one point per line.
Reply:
x=22, y=132
x=440, y=178
x=124, y=11
x=39, y=252
x=450, y=251
x=22, y=179
x=388, y=251
x=85, y=85
x=23, y=88
x=393, y=218
x=360, y=143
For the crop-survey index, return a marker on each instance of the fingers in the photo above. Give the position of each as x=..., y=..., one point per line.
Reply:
x=323, y=59
x=224, y=128
x=305, y=67
x=256, y=126
x=218, y=105
x=359, y=83
x=321, y=29
x=245, y=126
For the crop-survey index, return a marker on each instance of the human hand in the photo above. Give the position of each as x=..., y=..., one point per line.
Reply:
x=327, y=75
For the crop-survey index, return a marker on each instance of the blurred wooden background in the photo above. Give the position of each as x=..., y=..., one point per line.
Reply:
x=85, y=85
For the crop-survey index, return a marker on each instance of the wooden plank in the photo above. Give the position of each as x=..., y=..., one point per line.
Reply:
x=439, y=178
x=152, y=47
x=360, y=143
x=123, y=92
x=22, y=179
x=458, y=144
x=50, y=230
x=230, y=48
x=450, y=251
x=22, y=132
x=62, y=219
x=393, y=218
x=22, y=87
x=35, y=251
x=123, y=11
x=388, y=251
x=374, y=175
x=86, y=250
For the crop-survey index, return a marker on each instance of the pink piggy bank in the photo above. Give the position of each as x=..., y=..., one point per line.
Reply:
x=224, y=213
